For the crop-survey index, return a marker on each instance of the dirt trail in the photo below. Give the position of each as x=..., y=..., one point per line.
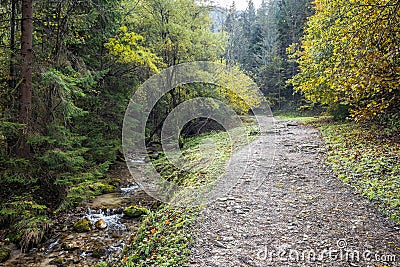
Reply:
x=301, y=215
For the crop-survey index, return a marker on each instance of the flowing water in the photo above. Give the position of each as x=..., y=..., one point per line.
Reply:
x=69, y=248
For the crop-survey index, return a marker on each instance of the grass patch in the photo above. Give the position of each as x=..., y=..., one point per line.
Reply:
x=367, y=159
x=163, y=239
x=294, y=117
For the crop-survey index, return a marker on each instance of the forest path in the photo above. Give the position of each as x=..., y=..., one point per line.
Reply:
x=301, y=215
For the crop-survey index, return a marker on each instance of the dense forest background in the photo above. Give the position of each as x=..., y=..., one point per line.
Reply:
x=68, y=69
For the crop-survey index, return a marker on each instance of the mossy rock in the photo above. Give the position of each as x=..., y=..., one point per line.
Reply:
x=83, y=225
x=135, y=212
x=108, y=188
x=101, y=188
x=4, y=253
x=57, y=262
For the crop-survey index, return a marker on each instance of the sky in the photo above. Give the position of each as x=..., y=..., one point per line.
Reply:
x=240, y=4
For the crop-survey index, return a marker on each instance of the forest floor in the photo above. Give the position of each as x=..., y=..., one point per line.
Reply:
x=301, y=215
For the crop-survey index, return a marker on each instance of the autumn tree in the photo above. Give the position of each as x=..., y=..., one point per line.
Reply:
x=349, y=57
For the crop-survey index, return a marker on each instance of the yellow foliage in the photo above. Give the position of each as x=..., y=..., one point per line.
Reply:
x=239, y=90
x=350, y=54
x=127, y=48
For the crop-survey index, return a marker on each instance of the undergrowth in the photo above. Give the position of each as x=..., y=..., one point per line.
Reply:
x=368, y=159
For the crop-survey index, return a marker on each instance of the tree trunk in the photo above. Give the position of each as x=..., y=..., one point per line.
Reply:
x=12, y=45
x=25, y=100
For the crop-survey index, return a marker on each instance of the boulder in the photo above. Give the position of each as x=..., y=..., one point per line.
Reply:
x=101, y=224
x=135, y=212
x=83, y=225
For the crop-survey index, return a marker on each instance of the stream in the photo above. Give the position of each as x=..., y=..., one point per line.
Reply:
x=104, y=241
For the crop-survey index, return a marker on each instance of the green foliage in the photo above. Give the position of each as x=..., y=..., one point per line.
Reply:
x=349, y=56
x=28, y=220
x=257, y=41
x=368, y=160
x=200, y=173
x=176, y=31
x=162, y=239
x=68, y=151
x=128, y=48
x=339, y=112
x=204, y=167
x=245, y=94
x=69, y=86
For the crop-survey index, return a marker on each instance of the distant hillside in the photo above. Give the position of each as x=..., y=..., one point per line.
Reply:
x=218, y=15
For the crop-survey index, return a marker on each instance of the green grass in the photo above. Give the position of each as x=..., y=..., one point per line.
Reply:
x=163, y=237
x=294, y=117
x=367, y=159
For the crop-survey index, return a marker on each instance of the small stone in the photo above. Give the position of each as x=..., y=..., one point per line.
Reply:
x=228, y=238
x=239, y=211
x=368, y=246
x=309, y=146
x=219, y=244
x=101, y=224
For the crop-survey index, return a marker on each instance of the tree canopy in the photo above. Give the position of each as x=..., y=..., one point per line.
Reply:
x=350, y=56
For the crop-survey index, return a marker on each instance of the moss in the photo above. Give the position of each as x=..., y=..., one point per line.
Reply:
x=101, y=188
x=4, y=253
x=57, y=262
x=107, y=188
x=135, y=212
x=83, y=225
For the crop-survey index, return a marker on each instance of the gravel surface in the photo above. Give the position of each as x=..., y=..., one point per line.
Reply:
x=301, y=214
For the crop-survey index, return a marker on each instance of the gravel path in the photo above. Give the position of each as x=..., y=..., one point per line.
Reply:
x=301, y=215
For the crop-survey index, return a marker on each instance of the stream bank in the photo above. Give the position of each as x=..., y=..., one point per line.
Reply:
x=107, y=230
